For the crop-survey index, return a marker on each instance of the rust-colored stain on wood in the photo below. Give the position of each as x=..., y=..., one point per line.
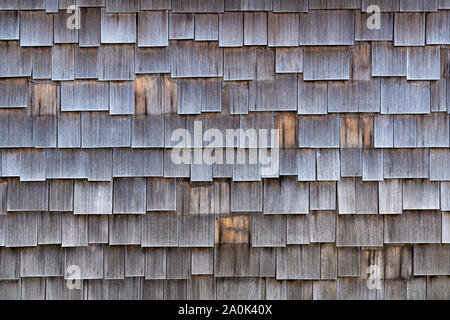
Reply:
x=236, y=229
x=357, y=132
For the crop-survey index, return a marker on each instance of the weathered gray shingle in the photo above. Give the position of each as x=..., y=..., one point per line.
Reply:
x=418, y=5
x=359, y=230
x=283, y=30
x=118, y=27
x=231, y=26
x=298, y=262
x=431, y=260
x=85, y=95
x=63, y=58
x=153, y=29
x=423, y=63
x=363, y=33
x=146, y=163
x=21, y=229
x=100, y=130
x=129, y=196
x=92, y=197
x=152, y=60
x=255, y=28
x=14, y=93
x=406, y=163
x=125, y=229
x=9, y=22
x=41, y=261
x=90, y=27
x=62, y=34
x=279, y=196
x=87, y=149
x=439, y=165
x=437, y=28
x=327, y=27
x=27, y=196
x=36, y=29
x=420, y=195
x=330, y=64
x=413, y=227
x=198, y=6
x=160, y=229
x=89, y=259
x=17, y=60
x=388, y=61
x=409, y=29
x=319, y=131
x=125, y=6
x=181, y=26
x=399, y=96
x=185, y=54
x=116, y=62
x=206, y=27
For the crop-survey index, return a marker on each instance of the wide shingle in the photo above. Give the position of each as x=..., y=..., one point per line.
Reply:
x=116, y=62
x=185, y=54
x=129, y=196
x=42, y=261
x=63, y=34
x=215, y=6
x=439, y=165
x=118, y=27
x=152, y=60
x=21, y=230
x=27, y=196
x=406, y=163
x=359, y=230
x=319, y=131
x=420, y=195
x=63, y=58
x=413, y=227
x=283, y=30
x=100, y=130
x=92, y=197
x=206, y=27
x=157, y=23
x=399, y=96
x=279, y=196
x=423, y=63
x=330, y=64
x=298, y=262
x=327, y=27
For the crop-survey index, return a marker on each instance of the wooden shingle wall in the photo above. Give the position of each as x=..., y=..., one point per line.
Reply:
x=87, y=180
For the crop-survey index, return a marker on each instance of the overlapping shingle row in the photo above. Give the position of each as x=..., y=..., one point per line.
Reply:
x=89, y=189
